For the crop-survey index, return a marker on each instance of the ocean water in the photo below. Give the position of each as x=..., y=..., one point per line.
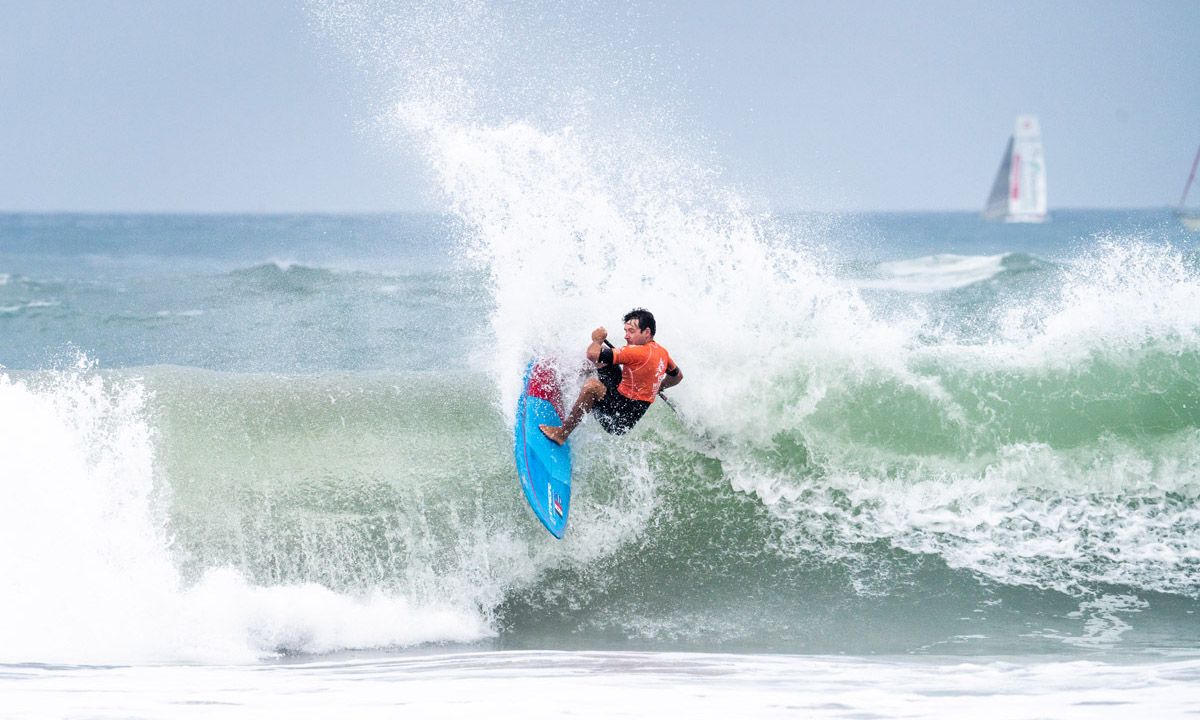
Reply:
x=249, y=458
x=920, y=465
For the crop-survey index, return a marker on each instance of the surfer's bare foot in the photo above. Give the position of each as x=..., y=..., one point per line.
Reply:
x=553, y=432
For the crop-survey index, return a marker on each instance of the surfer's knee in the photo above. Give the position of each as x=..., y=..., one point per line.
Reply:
x=595, y=388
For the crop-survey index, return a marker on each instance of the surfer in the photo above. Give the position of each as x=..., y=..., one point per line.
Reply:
x=629, y=378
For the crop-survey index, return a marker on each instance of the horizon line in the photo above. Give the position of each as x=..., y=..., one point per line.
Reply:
x=364, y=213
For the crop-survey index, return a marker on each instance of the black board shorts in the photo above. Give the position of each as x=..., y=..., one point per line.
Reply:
x=616, y=413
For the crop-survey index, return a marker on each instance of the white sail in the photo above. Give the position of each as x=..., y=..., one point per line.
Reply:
x=1019, y=190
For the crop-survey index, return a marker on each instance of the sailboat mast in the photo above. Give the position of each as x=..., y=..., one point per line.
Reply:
x=1188, y=185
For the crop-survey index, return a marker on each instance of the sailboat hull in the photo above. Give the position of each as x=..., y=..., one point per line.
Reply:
x=1024, y=218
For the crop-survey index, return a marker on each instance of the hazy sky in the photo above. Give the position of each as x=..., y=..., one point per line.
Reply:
x=240, y=106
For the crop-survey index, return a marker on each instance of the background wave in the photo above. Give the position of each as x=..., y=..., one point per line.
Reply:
x=947, y=271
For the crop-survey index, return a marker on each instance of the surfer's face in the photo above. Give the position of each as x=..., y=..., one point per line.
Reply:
x=635, y=335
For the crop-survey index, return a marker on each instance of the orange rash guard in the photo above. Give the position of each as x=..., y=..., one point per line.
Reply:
x=643, y=368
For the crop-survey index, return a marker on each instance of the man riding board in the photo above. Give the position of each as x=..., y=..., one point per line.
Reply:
x=629, y=379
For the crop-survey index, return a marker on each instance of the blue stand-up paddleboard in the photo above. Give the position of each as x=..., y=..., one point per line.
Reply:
x=543, y=466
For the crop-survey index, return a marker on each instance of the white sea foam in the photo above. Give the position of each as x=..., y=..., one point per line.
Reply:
x=1127, y=294
x=619, y=685
x=89, y=575
x=1114, y=515
x=1103, y=622
x=13, y=309
x=935, y=273
x=283, y=265
x=179, y=313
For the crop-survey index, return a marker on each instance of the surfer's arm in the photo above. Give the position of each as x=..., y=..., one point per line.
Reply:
x=673, y=378
x=599, y=335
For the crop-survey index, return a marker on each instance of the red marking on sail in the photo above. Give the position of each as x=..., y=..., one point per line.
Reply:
x=1015, y=176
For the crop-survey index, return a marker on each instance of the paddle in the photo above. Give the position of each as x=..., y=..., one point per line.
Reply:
x=661, y=394
x=710, y=449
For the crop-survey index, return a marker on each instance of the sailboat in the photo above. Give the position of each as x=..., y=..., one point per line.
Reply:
x=1019, y=191
x=1190, y=220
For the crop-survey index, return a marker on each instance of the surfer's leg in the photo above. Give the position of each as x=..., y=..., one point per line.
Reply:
x=592, y=391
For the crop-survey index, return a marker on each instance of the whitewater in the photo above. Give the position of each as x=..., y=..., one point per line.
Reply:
x=261, y=465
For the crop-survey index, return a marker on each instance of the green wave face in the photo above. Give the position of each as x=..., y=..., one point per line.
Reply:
x=852, y=533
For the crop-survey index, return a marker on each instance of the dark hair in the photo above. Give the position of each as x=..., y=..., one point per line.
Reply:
x=645, y=319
